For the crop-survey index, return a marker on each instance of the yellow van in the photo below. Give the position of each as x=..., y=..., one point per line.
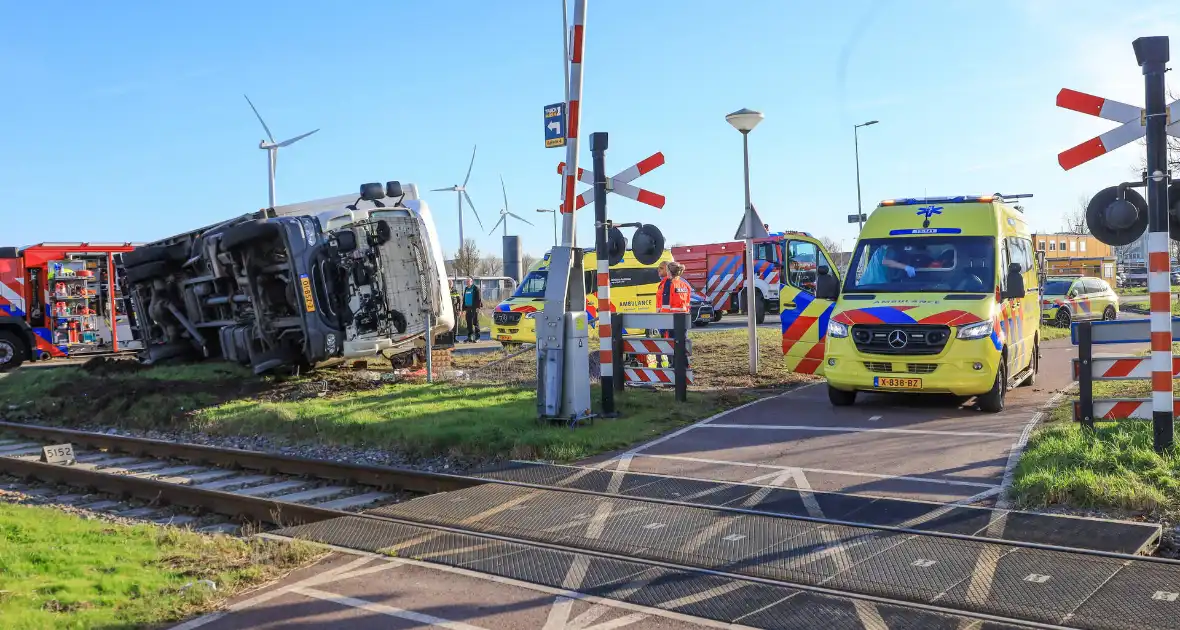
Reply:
x=633, y=290
x=941, y=296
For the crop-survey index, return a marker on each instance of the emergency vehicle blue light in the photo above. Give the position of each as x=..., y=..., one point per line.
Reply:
x=913, y=201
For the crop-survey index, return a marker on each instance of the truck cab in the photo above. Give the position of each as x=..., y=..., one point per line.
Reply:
x=941, y=296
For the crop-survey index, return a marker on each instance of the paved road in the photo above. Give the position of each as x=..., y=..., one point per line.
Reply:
x=927, y=448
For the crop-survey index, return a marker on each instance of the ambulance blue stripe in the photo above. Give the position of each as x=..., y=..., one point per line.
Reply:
x=802, y=301
x=889, y=315
x=823, y=320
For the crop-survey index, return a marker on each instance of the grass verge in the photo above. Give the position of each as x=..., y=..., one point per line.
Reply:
x=1115, y=467
x=1049, y=333
x=61, y=571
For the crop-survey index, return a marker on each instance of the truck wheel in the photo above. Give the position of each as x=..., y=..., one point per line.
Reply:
x=716, y=317
x=759, y=307
x=993, y=400
x=249, y=232
x=164, y=253
x=147, y=271
x=841, y=398
x=13, y=351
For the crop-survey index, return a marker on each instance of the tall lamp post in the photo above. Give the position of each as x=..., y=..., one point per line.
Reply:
x=554, y=213
x=744, y=120
x=856, y=148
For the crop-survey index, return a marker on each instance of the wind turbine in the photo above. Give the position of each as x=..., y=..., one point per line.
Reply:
x=272, y=149
x=504, y=213
x=460, y=191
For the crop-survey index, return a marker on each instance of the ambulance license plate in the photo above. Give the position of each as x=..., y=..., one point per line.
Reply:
x=504, y=337
x=897, y=383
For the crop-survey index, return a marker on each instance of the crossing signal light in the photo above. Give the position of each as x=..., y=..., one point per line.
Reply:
x=1118, y=220
x=648, y=244
x=616, y=245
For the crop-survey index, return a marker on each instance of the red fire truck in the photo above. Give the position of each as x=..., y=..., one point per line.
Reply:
x=718, y=270
x=60, y=300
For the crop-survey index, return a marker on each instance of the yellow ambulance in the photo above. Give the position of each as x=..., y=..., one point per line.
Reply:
x=941, y=296
x=633, y=290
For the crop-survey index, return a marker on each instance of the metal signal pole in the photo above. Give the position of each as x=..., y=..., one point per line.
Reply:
x=1152, y=55
x=598, y=144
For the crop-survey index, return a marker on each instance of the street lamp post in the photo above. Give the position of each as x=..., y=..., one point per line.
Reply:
x=554, y=213
x=856, y=148
x=744, y=120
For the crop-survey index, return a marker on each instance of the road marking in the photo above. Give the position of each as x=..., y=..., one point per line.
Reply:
x=1165, y=596
x=1017, y=449
x=806, y=494
x=616, y=478
x=792, y=427
x=778, y=480
x=506, y=581
x=679, y=432
x=1037, y=578
x=559, y=617
x=352, y=569
x=945, y=482
x=388, y=611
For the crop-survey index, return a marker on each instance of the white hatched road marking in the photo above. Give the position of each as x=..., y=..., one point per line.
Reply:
x=789, y=427
x=389, y=611
x=701, y=460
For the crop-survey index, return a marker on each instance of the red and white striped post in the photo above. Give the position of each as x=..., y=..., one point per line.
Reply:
x=1152, y=55
x=573, y=110
x=606, y=373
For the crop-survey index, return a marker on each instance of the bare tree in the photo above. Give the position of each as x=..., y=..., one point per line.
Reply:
x=526, y=261
x=466, y=261
x=1074, y=221
x=490, y=265
x=832, y=245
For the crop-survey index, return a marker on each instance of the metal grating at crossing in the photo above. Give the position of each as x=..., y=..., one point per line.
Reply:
x=1046, y=586
x=1048, y=529
x=713, y=597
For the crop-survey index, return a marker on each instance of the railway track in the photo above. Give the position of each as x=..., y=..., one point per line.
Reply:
x=484, y=522
x=246, y=485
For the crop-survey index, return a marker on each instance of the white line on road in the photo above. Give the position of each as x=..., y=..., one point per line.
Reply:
x=792, y=427
x=944, y=482
x=388, y=611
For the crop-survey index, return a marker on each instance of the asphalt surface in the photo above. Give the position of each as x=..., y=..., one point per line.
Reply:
x=927, y=448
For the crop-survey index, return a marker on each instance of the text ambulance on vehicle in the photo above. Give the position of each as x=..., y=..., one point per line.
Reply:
x=632, y=290
x=941, y=296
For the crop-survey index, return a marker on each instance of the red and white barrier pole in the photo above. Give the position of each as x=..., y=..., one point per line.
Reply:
x=573, y=111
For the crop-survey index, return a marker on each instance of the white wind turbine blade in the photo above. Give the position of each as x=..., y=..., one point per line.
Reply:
x=295, y=139
x=267, y=129
x=496, y=225
x=517, y=216
x=448, y=189
x=505, y=190
x=469, y=165
x=472, y=204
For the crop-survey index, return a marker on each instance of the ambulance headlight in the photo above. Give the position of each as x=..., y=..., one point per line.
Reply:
x=976, y=331
x=837, y=330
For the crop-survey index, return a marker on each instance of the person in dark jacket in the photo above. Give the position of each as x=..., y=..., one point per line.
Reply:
x=472, y=302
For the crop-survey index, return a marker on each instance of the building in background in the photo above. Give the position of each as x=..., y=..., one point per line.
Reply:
x=1076, y=254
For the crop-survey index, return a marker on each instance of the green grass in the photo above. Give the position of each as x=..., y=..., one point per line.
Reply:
x=1049, y=333
x=60, y=571
x=478, y=422
x=1115, y=467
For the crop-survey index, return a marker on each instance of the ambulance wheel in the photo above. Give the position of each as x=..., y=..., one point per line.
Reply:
x=993, y=400
x=12, y=351
x=1063, y=318
x=841, y=398
x=1035, y=364
x=1109, y=314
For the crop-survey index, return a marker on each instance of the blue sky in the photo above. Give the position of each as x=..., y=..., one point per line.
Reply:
x=125, y=121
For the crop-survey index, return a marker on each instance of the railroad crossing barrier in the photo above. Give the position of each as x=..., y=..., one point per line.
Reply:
x=678, y=347
x=1087, y=368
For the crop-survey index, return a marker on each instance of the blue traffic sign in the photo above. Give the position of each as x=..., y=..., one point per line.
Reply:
x=555, y=125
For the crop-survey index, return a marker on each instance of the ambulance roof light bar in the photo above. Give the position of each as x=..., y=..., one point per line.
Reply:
x=913, y=201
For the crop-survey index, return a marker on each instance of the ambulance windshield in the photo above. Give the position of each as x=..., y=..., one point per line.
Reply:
x=533, y=285
x=923, y=264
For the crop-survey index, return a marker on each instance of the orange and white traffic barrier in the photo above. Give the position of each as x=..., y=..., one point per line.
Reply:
x=653, y=376
x=1123, y=368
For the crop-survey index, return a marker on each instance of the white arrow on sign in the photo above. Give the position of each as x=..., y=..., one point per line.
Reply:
x=555, y=127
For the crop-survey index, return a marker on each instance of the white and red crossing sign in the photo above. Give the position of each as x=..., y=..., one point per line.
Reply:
x=620, y=183
x=653, y=376
x=1133, y=127
x=633, y=345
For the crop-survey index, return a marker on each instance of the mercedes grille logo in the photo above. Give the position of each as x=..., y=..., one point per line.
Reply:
x=898, y=339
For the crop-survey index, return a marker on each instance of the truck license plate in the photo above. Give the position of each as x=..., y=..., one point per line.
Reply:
x=897, y=383
x=308, y=301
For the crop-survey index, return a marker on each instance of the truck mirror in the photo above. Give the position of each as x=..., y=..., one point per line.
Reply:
x=1015, y=283
x=393, y=189
x=827, y=287
x=372, y=191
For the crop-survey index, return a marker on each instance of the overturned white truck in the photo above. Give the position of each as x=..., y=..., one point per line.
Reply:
x=296, y=286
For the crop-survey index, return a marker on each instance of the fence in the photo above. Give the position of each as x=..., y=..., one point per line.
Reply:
x=678, y=347
x=1088, y=368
